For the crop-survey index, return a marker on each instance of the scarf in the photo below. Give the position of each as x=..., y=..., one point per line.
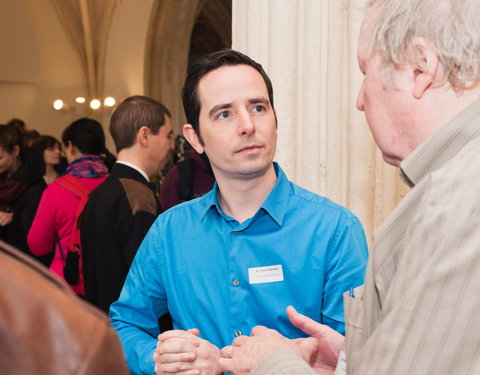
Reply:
x=90, y=166
x=10, y=191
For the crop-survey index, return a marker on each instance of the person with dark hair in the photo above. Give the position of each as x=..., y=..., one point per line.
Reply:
x=237, y=256
x=189, y=178
x=49, y=150
x=11, y=146
x=37, y=171
x=120, y=211
x=12, y=181
x=84, y=140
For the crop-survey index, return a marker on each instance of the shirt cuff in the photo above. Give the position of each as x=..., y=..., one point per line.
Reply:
x=282, y=362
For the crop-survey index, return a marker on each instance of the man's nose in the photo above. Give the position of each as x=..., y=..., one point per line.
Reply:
x=246, y=125
x=360, y=104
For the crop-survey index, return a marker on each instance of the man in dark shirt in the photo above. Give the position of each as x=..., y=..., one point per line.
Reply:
x=188, y=179
x=120, y=211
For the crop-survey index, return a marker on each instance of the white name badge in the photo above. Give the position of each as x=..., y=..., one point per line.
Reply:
x=267, y=274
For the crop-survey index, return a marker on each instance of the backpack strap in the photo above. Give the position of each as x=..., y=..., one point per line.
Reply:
x=76, y=187
x=185, y=183
x=73, y=184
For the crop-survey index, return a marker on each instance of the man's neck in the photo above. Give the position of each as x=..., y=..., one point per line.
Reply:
x=130, y=156
x=241, y=199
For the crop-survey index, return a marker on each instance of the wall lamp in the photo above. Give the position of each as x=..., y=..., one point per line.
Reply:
x=80, y=104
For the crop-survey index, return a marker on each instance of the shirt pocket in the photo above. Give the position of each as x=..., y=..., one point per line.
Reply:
x=354, y=311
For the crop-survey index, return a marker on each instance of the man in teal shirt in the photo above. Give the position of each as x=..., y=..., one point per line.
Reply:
x=236, y=257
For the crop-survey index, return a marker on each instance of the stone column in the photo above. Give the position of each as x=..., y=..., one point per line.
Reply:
x=308, y=48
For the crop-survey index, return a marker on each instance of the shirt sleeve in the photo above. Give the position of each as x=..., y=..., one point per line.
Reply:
x=142, y=301
x=346, y=264
x=282, y=362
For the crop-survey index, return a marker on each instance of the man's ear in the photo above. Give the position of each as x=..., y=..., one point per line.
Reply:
x=143, y=136
x=425, y=65
x=192, y=137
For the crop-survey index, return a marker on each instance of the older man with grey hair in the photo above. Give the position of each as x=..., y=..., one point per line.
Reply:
x=417, y=311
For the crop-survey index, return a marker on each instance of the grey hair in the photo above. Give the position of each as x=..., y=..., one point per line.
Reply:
x=452, y=27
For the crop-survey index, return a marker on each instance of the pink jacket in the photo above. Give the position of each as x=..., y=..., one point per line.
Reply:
x=55, y=217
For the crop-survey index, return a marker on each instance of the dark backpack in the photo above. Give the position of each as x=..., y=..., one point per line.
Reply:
x=185, y=183
x=72, y=270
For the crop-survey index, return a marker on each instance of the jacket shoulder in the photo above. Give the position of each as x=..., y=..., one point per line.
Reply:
x=139, y=196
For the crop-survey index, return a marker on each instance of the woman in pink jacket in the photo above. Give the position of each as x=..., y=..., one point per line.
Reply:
x=51, y=229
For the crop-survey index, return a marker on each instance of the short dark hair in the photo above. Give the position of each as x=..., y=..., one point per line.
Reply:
x=19, y=124
x=43, y=142
x=30, y=136
x=204, y=65
x=10, y=136
x=133, y=113
x=86, y=134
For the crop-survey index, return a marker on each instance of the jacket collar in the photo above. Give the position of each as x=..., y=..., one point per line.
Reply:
x=442, y=146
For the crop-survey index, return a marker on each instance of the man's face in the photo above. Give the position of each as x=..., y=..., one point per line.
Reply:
x=387, y=108
x=8, y=159
x=161, y=143
x=237, y=122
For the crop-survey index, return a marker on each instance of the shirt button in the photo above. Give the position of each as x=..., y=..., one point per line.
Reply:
x=236, y=282
x=237, y=332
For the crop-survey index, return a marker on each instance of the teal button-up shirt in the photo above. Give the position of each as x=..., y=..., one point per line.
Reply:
x=224, y=277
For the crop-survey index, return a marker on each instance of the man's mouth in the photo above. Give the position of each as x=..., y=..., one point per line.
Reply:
x=249, y=148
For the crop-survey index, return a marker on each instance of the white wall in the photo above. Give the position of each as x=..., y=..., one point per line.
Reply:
x=37, y=65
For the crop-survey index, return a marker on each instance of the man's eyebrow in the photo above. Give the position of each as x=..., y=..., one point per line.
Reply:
x=219, y=107
x=259, y=100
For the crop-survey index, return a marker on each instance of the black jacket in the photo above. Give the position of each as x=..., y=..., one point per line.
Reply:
x=30, y=174
x=114, y=222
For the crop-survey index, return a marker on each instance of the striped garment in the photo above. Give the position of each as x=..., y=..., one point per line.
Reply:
x=419, y=310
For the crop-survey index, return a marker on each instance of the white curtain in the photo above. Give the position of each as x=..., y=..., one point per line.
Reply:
x=308, y=48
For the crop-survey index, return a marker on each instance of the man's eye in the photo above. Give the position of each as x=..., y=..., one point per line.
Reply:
x=258, y=108
x=223, y=114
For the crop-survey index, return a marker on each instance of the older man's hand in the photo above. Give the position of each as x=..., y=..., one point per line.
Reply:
x=329, y=341
x=246, y=351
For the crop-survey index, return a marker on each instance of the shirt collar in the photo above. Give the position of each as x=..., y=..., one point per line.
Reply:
x=137, y=168
x=275, y=204
x=442, y=146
